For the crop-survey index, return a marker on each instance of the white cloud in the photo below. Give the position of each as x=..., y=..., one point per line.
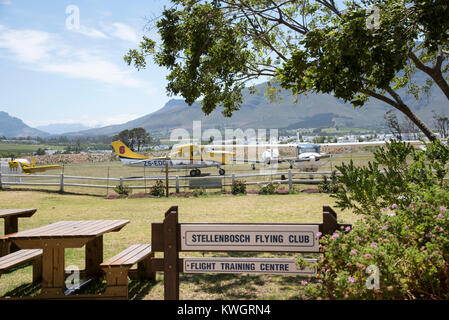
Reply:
x=95, y=69
x=90, y=32
x=26, y=45
x=5, y=1
x=88, y=121
x=48, y=52
x=124, y=32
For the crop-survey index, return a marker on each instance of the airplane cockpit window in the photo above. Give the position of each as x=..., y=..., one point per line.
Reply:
x=308, y=148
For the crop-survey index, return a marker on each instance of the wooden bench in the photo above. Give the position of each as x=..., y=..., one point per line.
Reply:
x=117, y=269
x=20, y=257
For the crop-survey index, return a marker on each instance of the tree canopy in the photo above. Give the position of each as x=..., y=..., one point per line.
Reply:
x=135, y=138
x=365, y=49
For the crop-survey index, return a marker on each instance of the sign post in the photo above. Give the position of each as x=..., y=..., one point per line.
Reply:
x=172, y=237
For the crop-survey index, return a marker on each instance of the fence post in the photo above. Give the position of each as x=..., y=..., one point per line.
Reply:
x=61, y=186
x=290, y=182
x=0, y=180
x=177, y=184
x=121, y=182
x=166, y=178
x=171, y=256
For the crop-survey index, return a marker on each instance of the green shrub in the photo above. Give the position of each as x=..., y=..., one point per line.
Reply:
x=199, y=192
x=238, y=187
x=158, y=189
x=403, y=233
x=410, y=250
x=269, y=188
x=329, y=185
x=123, y=190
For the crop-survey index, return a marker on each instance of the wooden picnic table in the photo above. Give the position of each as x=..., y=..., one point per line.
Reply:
x=56, y=237
x=11, y=217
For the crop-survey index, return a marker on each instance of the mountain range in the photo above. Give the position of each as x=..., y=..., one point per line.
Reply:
x=14, y=127
x=257, y=112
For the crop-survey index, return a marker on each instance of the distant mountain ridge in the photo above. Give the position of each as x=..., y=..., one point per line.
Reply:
x=59, y=128
x=256, y=112
x=11, y=127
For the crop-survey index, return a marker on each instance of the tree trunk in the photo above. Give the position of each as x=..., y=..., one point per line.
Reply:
x=418, y=122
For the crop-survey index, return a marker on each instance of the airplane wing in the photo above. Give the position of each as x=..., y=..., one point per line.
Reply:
x=40, y=168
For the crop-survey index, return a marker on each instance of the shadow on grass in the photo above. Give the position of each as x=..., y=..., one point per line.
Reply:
x=137, y=289
x=25, y=290
x=230, y=286
x=56, y=192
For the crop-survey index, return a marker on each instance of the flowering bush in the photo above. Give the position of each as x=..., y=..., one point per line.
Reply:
x=238, y=187
x=410, y=250
x=403, y=234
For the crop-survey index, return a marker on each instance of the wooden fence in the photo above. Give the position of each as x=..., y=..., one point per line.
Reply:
x=62, y=181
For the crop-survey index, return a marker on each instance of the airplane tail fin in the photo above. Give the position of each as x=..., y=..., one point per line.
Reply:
x=124, y=152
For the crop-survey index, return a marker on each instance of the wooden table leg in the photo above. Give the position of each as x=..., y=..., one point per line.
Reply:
x=12, y=226
x=53, y=264
x=94, y=257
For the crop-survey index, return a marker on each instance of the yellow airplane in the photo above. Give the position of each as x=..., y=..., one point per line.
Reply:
x=185, y=156
x=30, y=168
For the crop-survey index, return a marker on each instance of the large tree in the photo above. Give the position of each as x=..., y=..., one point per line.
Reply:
x=135, y=138
x=214, y=48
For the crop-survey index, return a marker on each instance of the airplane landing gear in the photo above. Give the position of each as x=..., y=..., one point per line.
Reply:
x=195, y=172
x=253, y=166
x=221, y=172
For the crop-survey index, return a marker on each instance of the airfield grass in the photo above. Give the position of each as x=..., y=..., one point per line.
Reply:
x=141, y=212
x=19, y=149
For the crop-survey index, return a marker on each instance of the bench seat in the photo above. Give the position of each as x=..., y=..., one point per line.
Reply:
x=20, y=257
x=117, y=269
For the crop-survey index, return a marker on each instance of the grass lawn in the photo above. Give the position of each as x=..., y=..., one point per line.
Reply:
x=23, y=148
x=54, y=207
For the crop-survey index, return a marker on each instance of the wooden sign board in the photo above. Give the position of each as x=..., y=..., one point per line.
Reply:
x=250, y=237
x=282, y=266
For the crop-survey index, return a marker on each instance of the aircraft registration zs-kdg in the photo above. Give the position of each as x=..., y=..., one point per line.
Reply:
x=185, y=156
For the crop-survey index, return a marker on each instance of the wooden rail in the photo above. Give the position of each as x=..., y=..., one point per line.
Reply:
x=61, y=180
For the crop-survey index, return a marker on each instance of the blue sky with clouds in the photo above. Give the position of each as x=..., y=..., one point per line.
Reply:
x=51, y=71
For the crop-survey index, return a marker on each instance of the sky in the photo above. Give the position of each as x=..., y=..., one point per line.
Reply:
x=62, y=61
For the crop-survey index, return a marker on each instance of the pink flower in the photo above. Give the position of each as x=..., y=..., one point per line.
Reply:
x=440, y=216
x=441, y=229
x=348, y=229
x=442, y=208
x=335, y=235
x=374, y=245
x=351, y=279
x=319, y=234
x=384, y=227
x=394, y=206
x=304, y=283
x=353, y=252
